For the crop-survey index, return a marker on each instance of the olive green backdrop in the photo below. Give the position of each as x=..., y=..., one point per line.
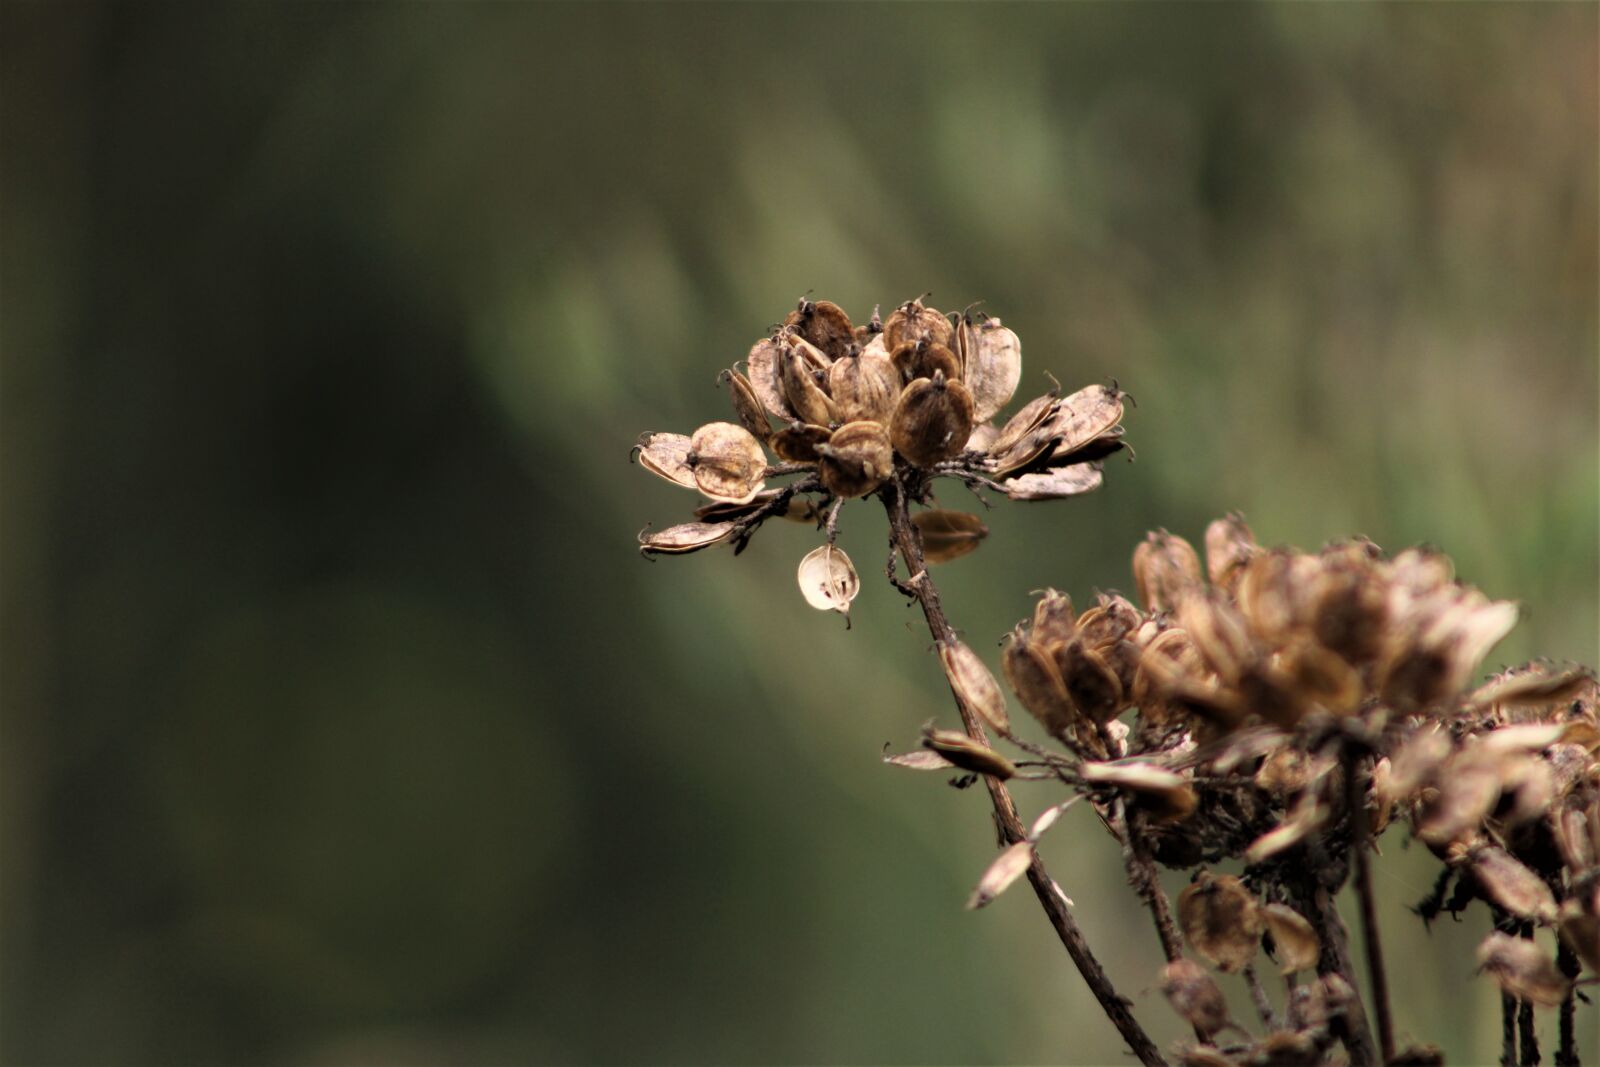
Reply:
x=342, y=721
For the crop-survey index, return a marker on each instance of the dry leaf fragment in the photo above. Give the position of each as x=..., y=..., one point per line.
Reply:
x=828, y=579
x=1219, y=917
x=974, y=685
x=1294, y=941
x=666, y=455
x=948, y=535
x=1006, y=868
x=689, y=537
x=1522, y=968
x=1056, y=483
x=1194, y=995
x=728, y=462
x=1512, y=885
x=992, y=366
x=968, y=754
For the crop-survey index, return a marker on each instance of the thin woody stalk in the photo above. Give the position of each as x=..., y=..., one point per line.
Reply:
x=1360, y=831
x=908, y=543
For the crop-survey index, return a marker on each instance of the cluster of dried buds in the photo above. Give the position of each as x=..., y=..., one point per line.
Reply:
x=1281, y=709
x=901, y=401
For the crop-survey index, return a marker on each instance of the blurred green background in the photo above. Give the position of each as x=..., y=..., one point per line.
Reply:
x=343, y=723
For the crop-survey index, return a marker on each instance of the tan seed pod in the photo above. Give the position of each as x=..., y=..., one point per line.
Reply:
x=1271, y=694
x=1165, y=794
x=923, y=360
x=913, y=321
x=798, y=442
x=1229, y=546
x=805, y=397
x=1523, y=969
x=856, y=460
x=1539, y=686
x=1108, y=443
x=983, y=435
x=765, y=363
x=1053, y=620
x=1468, y=789
x=1275, y=593
x=1204, y=1056
x=1581, y=932
x=1029, y=418
x=1083, y=416
x=689, y=537
x=1421, y=570
x=864, y=387
x=1294, y=942
x=823, y=324
x=1034, y=678
x=991, y=365
x=1285, y=771
x=1219, y=917
x=1351, y=613
x=1092, y=686
x=1322, y=677
x=1512, y=885
x=728, y=462
x=948, y=535
x=1165, y=566
x=920, y=760
x=666, y=455
x=1218, y=632
x=800, y=509
x=1416, y=761
x=828, y=579
x=1169, y=657
x=1055, y=484
x=1531, y=785
x=747, y=406
x=874, y=345
x=932, y=421
x=974, y=685
x=1570, y=828
x=1012, y=863
x=967, y=754
x=1194, y=995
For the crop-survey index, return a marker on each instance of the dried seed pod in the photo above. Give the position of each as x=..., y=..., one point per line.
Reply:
x=974, y=685
x=948, y=535
x=1540, y=685
x=1531, y=785
x=1351, y=613
x=1416, y=761
x=921, y=760
x=1024, y=422
x=823, y=324
x=1034, y=678
x=1203, y=1056
x=1218, y=632
x=913, y=321
x=1167, y=795
x=1511, y=885
x=1286, y=770
x=1165, y=567
x=1275, y=593
x=805, y=397
x=1082, y=417
x=1421, y=570
x=1570, y=829
x=1220, y=919
x=932, y=421
x=1581, y=932
x=689, y=537
x=1469, y=788
x=728, y=462
x=799, y=509
x=991, y=365
x=874, y=346
x=666, y=455
x=1092, y=686
x=1522, y=968
x=1195, y=996
x=1011, y=864
x=798, y=442
x=1271, y=694
x=1056, y=484
x=967, y=754
x=871, y=330
x=1108, y=443
x=1229, y=546
x=1053, y=621
x=856, y=460
x=765, y=363
x=1307, y=817
x=864, y=387
x=828, y=579
x=923, y=360
x=1294, y=941
x=747, y=405
x=1322, y=677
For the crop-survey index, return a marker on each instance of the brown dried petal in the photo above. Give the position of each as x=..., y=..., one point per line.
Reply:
x=1523, y=969
x=1034, y=678
x=991, y=367
x=1055, y=484
x=666, y=455
x=1512, y=885
x=856, y=460
x=797, y=442
x=1010, y=865
x=913, y=321
x=689, y=537
x=1194, y=995
x=747, y=406
x=1294, y=941
x=1164, y=567
x=932, y=421
x=975, y=685
x=823, y=324
x=967, y=754
x=1229, y=546
x=948, y=535
x=828, y=579
x=924, y=360
x=728, y=461
x=1219, y=917
x=805, y=397
x=864, y=387
x=765, y=363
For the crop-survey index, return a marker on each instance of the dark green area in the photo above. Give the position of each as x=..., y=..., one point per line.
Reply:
x=342, y=722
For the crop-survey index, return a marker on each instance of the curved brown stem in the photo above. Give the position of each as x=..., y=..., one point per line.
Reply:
x=1360, y=831
x=920, y=586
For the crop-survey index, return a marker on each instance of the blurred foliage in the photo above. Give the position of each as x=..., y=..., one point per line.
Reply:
x=342, y=722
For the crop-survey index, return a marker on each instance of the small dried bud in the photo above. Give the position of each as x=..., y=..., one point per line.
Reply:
x=1010, y=865
x=828, y=579
x=797, y=442
x=728, y=462
x=666, y=455
x=1522, y=968
x=962, y=751
x=1294, y=941
x=856, y=460
x=974, y=685
x=921, y=359
x=689, y=537
x=1194, y=995
x=1219, y=917
x=864, y=387
x=932, y=421
x=991, y=365
x=912, y=322
x=1229, y=546
x=948, y=535
x=1165, y=567
x=747, y=405
x=823, y=324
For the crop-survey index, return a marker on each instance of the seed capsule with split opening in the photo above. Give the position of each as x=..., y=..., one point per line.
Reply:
x=823, y=324
x=798, y=442
x=864, y=387
x=855, y=460
x=913, y=321
x=828, y=579
x=805, y=397
x=1037, y=683
x=932, y=420
x=666, y=455
x=728, y=462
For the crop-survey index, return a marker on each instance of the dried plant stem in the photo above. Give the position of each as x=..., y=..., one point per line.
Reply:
x=1508, y=1030
x=1567, y=1049
x=1528, y=1038
x=1258, y=997
x=1336, y=958
x=920, y=586
x=1360, y=832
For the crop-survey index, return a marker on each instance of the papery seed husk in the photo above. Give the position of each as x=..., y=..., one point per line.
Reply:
x=874, y=346
x=1531, y=785
x=1538, y=686
x=666, y=455
x=921, y=760
x=864, y=387
x=1053, y=620
x=924, y=360
x=747, y=406
x=1275, y=592
x=948, y=535
x=1055, y=484
x=688, y=537
x=1165, y=794
x=1307, y=817
x=1024, y=422
x=932, y=421
x=823, y=324
x=967, y=754
x=991, y=366
x=975, y=685
x=1092, y=686
x=765, y=363
x=797, y=442
x=1218, y=632
x=799, y=509
x=1469, y=787
x=1271, y=694
x=1194, y=995
x=1106, y=444
x=1351, y=613
x=856, y=460
x=1010, y=865
x=1323, y=677
x=1034, y=678
x=1083, y=416
x=828, y=579
x=1164, y=567
x=806, y=398
x=1294, y=941
x=1523, y=969
x=913, y=321
x=1570, y=829
x=1581, y=932
x=1229, y=546
x=1219, y=918
x=1510, y=884
x=728, y=461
